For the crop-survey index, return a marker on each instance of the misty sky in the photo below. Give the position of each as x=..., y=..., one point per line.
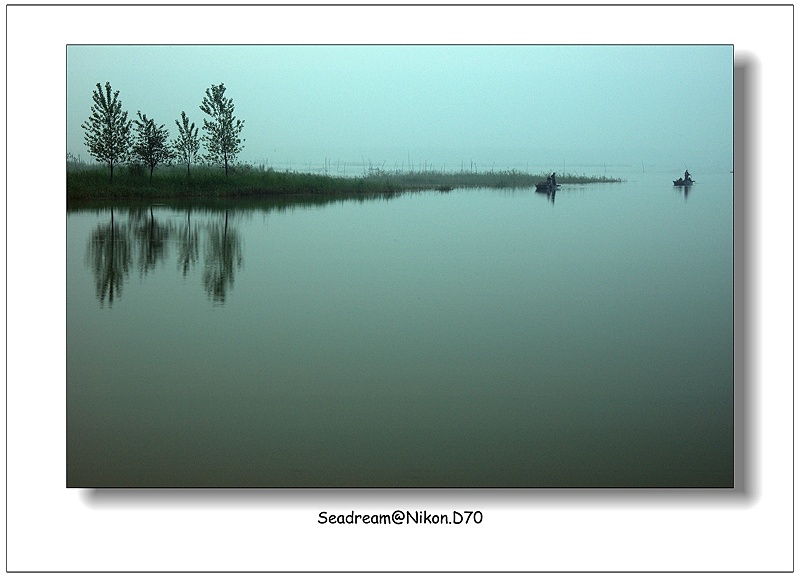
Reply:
x=445, y=106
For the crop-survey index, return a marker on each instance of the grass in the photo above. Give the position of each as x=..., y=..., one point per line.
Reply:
x=85, y=182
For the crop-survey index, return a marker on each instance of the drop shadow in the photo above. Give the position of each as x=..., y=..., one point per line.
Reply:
x=745, y=288
x=407, y=498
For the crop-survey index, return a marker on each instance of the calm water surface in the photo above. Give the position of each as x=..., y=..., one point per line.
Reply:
x=479, y=338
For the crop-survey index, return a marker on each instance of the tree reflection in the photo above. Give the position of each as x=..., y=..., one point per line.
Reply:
x=151, y=237
x=223, y=256
x=144, y=241
x=188, y=245
x=109, y=255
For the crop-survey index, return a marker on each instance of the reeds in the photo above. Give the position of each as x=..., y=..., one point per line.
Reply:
x=206, y=182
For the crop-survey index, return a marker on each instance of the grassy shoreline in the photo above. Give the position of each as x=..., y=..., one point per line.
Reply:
x=172, y=183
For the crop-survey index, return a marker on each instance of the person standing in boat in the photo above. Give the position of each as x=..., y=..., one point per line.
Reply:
x=553, y=179
x=687, y=176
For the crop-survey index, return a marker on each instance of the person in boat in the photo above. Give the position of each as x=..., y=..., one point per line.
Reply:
x=687, y=176
x=552, y=179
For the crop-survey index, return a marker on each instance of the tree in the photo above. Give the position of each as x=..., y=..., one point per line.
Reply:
x=186, y=145
x=107, y=129
x=222, y=130
x=151, y=143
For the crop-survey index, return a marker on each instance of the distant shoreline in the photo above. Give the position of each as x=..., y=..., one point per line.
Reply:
x=203, y=183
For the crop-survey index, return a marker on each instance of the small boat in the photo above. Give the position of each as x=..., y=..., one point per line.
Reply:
x=547, y=187
x=685, y=181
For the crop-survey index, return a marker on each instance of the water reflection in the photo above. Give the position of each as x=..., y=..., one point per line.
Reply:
x=109, y=257
x=143, y=237
x=223, y=256
x=188, y=245
x=144, y=241
x=151, y=238
x=551, y=194
x=428, y=305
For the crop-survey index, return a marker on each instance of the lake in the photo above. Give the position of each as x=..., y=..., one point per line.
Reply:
x=476, y=338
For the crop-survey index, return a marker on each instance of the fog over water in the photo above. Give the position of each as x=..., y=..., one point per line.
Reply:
x=430, y=106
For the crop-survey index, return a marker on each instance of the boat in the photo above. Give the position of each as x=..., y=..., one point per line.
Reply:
x=685, y=181
x=547, y=187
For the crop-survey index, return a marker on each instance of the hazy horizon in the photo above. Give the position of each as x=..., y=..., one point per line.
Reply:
x=440, y=106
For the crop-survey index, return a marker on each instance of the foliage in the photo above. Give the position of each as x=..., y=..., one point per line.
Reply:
x=75, y=163
x=151, y=147
x=107, y=129
x=222, y=129
x=187, y=145
x=135, y=168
